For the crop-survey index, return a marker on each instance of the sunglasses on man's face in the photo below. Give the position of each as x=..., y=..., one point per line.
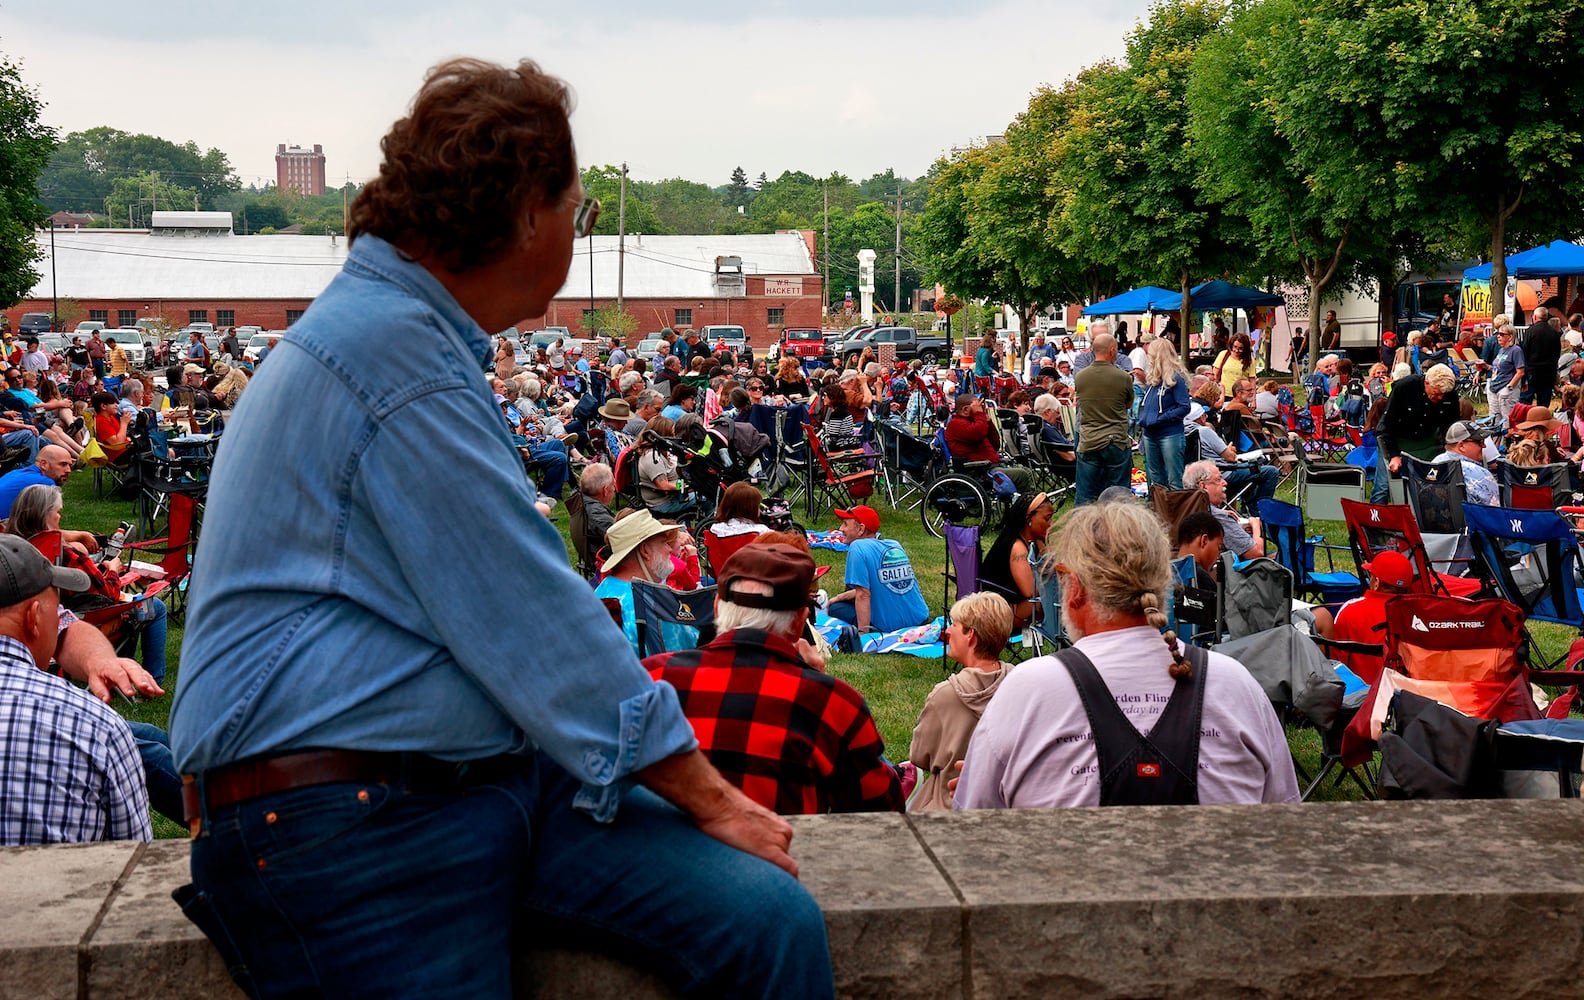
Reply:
x=587, y=215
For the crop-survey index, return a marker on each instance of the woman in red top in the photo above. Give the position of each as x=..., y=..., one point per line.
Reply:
x=111, y=427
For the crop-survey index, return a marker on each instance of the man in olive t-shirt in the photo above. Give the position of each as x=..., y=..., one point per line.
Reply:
x=1105, y=397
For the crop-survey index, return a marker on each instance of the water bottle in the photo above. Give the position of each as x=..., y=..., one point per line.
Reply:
x=112, y=548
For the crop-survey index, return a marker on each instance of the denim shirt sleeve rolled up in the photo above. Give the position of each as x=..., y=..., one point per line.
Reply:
x=372, y=574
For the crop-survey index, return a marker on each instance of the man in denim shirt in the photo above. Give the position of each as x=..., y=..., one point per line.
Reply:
x=387, y=790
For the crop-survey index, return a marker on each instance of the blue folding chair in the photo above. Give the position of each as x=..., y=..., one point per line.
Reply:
x=669, y=620
x=1529, y=557
x=1192, y=611
x=1284, y=527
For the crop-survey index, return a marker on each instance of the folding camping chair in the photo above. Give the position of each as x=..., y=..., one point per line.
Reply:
x=1374, y=527
x=1537, y=487
x=1319, y=485
x=170, y=576
x=1461, y=653
x=1436, y=493
x=717, y=549
x=1295, y=549
x=1194, y=612
x=119, y=621
x=835, y=479
x=1172, y=507
x=656, y=605
x=1529, y=558
x=908, y=463
x=964, y=563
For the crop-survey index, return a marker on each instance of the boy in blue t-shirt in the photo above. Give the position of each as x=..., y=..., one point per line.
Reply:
x=883, y=594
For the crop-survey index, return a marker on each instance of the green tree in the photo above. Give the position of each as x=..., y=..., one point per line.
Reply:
x=738, y=193
x=84, y=166
x=684, y=206
x=792, y=201
x=1267, y=147
x=1476, y=107
x=604, y=183
x=613, y=322
x=138, y=196
x=945, y=238
x=1127, y=174
x=24, y=150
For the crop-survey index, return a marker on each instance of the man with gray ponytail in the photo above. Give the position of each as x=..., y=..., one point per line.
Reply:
x=1127, y=716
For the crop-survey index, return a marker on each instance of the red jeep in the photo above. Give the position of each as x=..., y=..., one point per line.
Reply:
x=803, y=342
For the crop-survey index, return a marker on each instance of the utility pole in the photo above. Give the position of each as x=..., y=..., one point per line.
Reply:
x=897, y=259
x=54, y=289
x=825, y=277
x=621, y=239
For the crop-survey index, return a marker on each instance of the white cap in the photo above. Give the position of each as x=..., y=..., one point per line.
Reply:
x=1196, y=412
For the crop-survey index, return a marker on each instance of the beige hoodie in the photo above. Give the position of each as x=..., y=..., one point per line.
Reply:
x=944, y=727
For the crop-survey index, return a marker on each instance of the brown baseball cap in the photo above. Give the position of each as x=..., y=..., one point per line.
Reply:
x=789, y=572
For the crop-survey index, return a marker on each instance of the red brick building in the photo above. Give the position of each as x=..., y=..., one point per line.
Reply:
x=301, y=170
x=190, y=267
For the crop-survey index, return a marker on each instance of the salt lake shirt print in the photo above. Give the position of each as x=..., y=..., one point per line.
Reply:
x=882, y=566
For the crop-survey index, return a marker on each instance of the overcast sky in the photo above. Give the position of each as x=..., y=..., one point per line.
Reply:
x=686, y=89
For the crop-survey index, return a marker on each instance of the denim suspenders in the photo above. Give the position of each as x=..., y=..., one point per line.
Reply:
x=1137, y=770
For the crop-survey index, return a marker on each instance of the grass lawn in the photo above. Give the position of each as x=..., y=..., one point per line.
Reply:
x=895, y=686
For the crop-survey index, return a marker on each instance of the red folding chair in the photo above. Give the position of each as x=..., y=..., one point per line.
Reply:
x=169, y=576
x=1375, y=527
x=836, y=479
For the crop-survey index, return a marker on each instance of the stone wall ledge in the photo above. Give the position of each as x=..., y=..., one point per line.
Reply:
x=1333, y=900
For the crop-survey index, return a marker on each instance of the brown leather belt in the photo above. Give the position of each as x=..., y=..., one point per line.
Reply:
x=250, y=779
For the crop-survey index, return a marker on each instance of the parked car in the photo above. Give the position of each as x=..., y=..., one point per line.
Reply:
x=734, y=337
x=86, y=328
x=257, y=343
x=131, y=339
x=648, y=347
x=33, y=324
x=910, y=344
x=802, y=342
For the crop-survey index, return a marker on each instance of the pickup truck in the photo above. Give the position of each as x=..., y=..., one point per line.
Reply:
x=926, y=347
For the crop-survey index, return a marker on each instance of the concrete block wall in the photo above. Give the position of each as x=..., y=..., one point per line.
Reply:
x=1336, y=900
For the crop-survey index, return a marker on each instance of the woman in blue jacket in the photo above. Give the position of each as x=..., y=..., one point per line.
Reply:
x=1162, y=412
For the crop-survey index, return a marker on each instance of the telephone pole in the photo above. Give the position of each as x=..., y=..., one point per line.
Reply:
x=621, y=239
x=825, y=277
x=897, y=258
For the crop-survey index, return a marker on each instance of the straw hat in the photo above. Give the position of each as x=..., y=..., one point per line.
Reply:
x=630, y=532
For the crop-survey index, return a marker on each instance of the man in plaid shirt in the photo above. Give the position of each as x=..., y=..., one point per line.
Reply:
x=69, y=767
x=792, y=737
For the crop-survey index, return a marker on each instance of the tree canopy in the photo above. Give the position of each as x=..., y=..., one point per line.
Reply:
x=25, y=147
x=83, y=169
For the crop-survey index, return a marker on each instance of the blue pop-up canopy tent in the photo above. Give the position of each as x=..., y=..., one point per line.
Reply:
x=1140, y=300
x=1225, y=295
x=1554, y=259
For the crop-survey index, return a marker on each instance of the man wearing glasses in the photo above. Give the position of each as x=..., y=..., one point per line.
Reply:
x=385, y=796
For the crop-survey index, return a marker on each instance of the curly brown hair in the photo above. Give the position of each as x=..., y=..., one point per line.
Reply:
x=482, y=144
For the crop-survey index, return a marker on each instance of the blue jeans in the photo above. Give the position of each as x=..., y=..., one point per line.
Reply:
x=152, y=609
x=845, y=611
x=1163, y=460
x=551, y=457
x=1380, y=487
x=1111, y=465
x=1264, y=476
x=22, y=439
x=382, y=891
x=159, y=770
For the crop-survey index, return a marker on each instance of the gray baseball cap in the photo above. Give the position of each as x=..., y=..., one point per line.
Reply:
x=1465, y=430
x=25, y=573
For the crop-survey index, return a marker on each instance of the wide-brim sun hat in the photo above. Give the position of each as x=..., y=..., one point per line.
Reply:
x=630, y=532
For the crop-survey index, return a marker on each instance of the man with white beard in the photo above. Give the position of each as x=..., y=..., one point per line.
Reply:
x=1123, y=718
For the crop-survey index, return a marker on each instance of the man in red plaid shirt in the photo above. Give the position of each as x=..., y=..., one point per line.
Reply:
x=792, y=737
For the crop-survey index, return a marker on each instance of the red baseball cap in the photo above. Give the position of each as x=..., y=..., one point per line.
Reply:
x=864, y=515
x=1391, y=568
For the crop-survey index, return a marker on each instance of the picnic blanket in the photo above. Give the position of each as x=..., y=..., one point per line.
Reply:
x=832, y=540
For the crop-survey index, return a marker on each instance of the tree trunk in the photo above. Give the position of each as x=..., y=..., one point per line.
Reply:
x=1182, y=316
x=1316, y=289
x=1498, y=278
